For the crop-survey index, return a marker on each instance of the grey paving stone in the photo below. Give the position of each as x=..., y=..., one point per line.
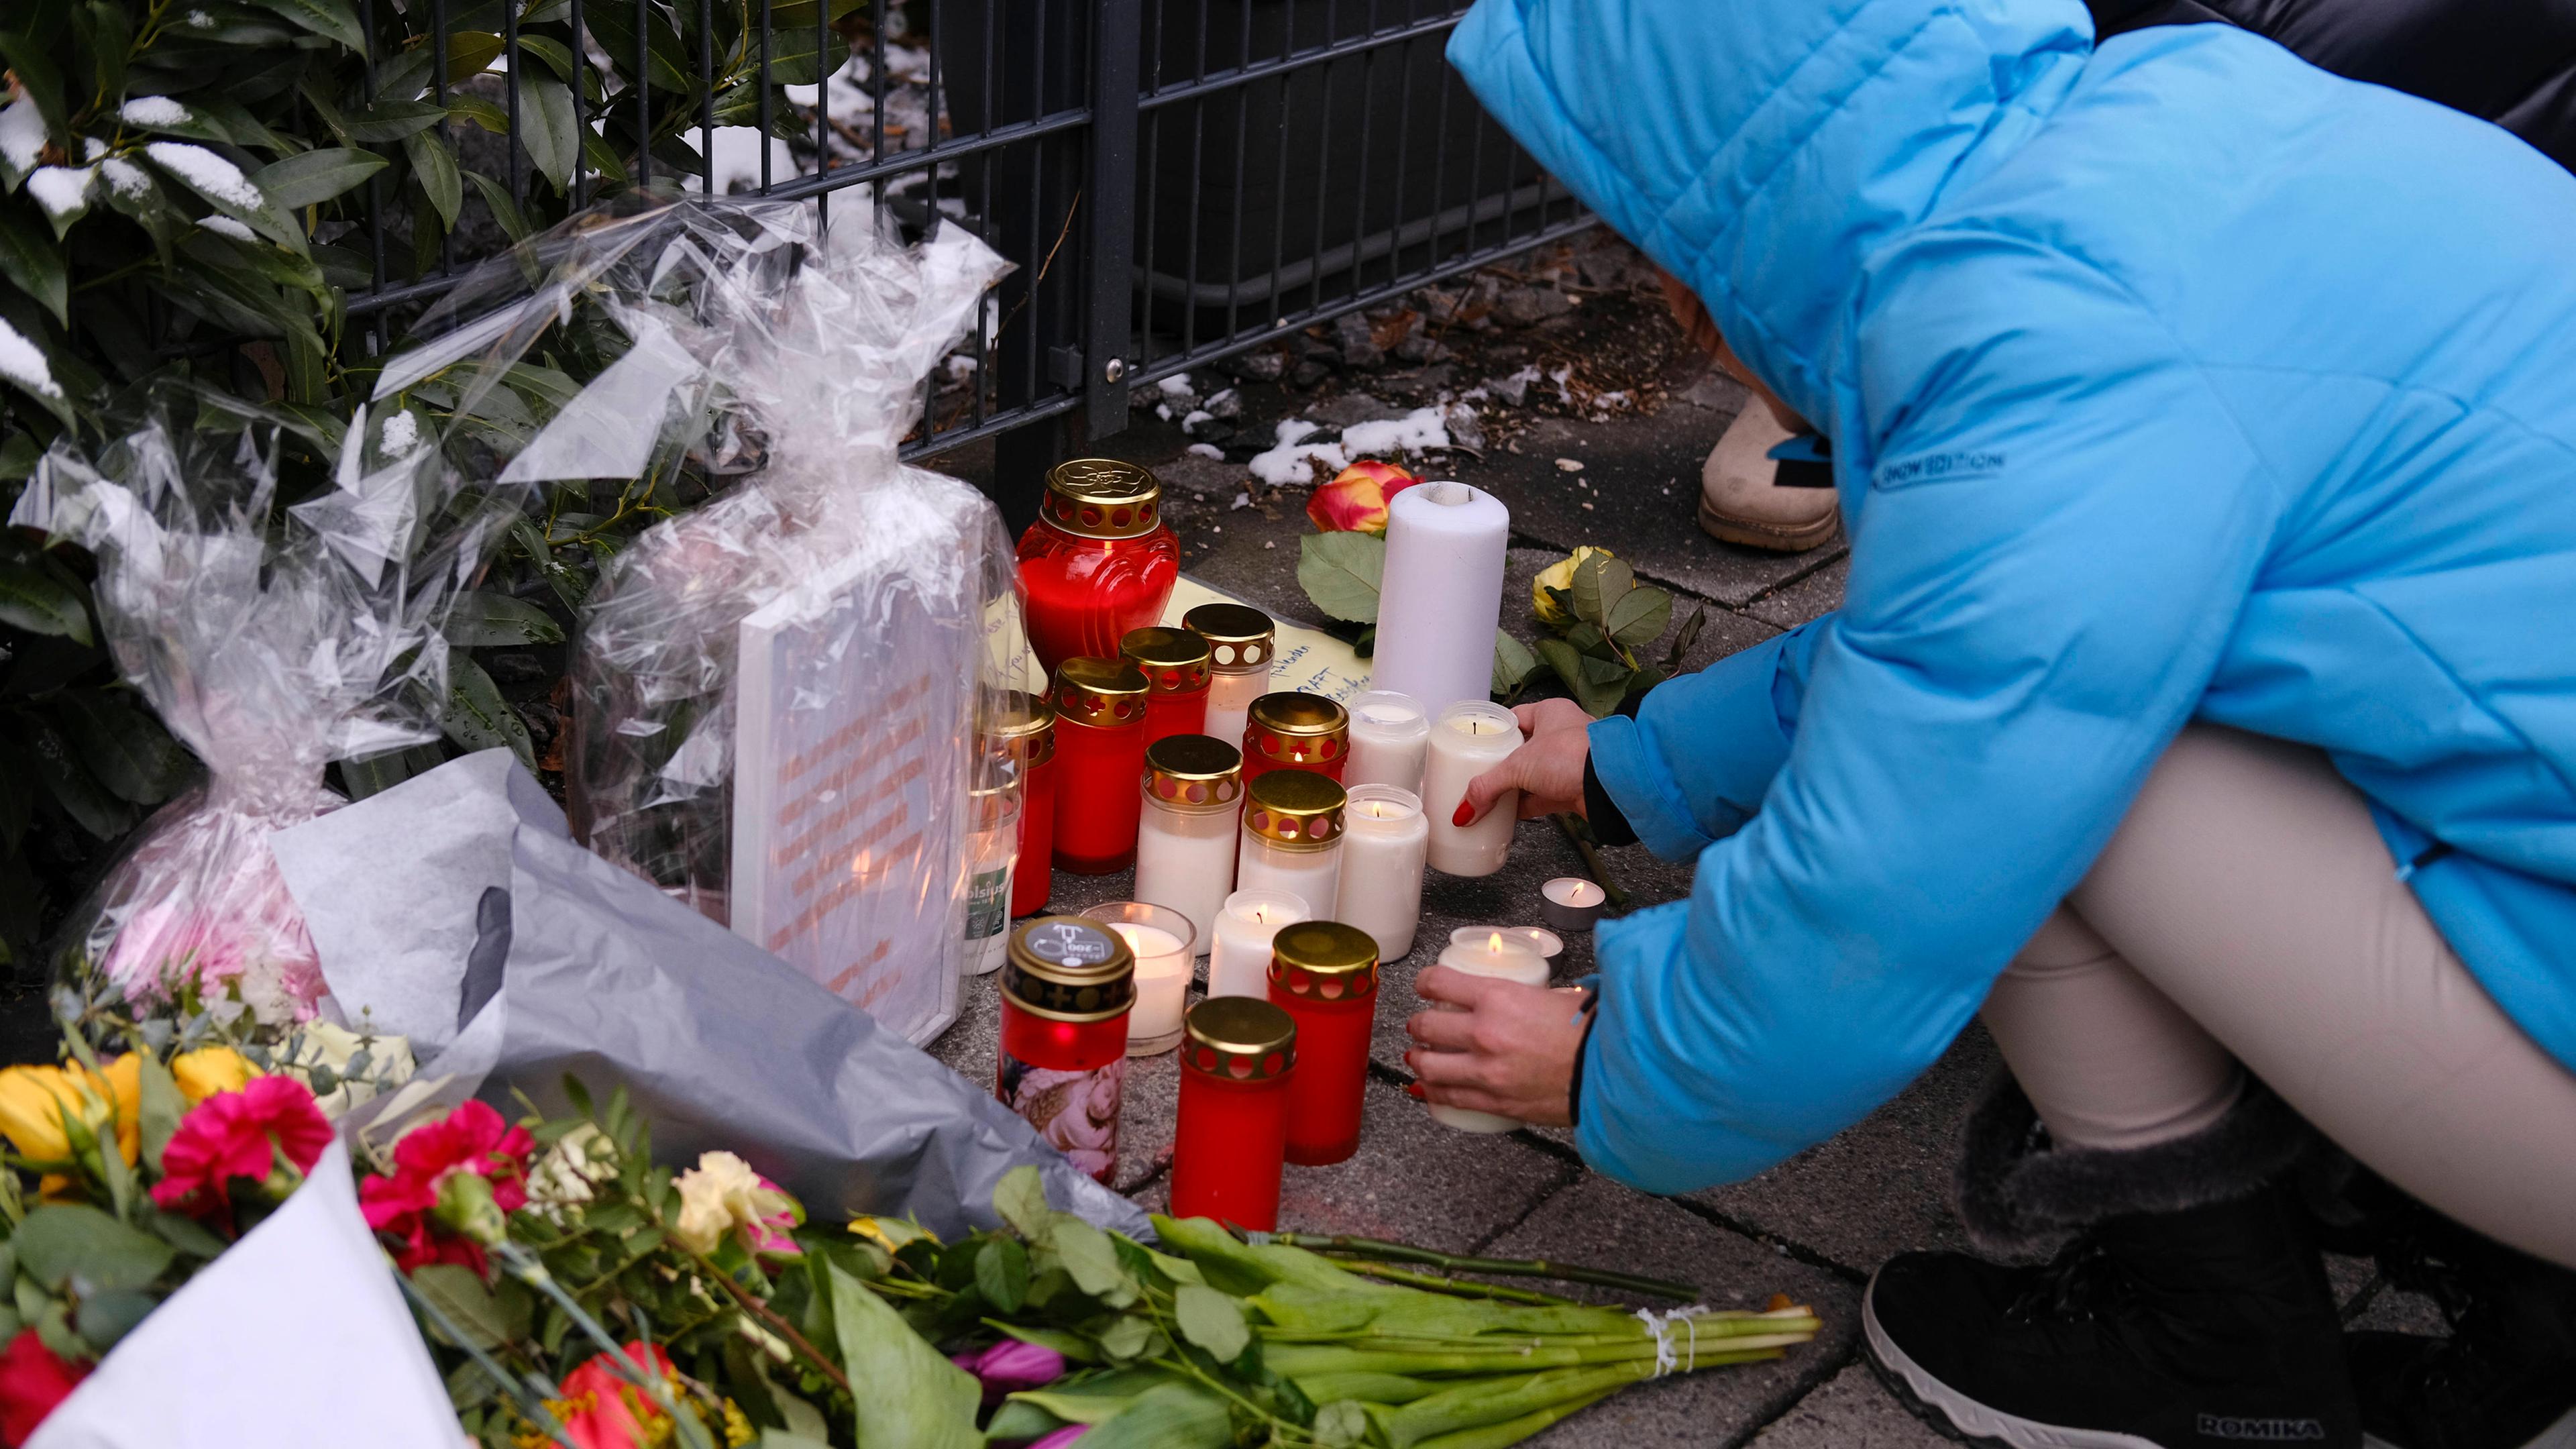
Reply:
x=1598, y=1222
x=1817, y=594
x=1851, y=1411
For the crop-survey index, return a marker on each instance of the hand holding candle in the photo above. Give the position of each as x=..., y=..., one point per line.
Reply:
x=1547, y=769
x=1495, y=1051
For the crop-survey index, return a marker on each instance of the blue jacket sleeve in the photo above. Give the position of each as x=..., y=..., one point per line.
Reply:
x=1692, y=766
x=2061, y=525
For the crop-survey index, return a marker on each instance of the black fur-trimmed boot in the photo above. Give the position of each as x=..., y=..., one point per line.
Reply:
x=2185, y=1308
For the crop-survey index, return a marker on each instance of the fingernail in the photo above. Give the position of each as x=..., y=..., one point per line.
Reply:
x=1414, y=1090
x=1466, y=814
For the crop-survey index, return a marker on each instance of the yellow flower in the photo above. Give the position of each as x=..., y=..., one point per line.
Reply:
x=720, y=1194
x=208, y=1070
x=1560, y=575
x=34, y=1101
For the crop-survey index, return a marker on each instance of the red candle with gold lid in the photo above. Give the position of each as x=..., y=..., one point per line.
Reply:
x=1020, y=731
x=1324, y=974
x=1288, y=731
x=1066, y=988
x=1238, y=1056
x=1098, y=562
x=1175, y=662
x=1100, y=755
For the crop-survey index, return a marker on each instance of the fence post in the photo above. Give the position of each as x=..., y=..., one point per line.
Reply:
x=1110, y=255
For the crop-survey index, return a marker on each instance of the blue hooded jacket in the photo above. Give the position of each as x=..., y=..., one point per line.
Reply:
x=2173, y=381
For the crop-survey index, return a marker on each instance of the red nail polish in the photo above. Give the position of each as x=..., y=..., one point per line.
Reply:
x=1466, y=814
x=1414, y=1090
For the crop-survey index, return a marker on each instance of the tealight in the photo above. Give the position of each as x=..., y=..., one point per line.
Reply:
x=1572, y=903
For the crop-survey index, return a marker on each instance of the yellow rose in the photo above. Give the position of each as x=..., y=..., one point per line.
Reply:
x=34, y=1100
x=1560, y=575
x=208, y=1070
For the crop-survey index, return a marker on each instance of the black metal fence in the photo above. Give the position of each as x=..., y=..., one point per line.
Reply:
x=1176, y=180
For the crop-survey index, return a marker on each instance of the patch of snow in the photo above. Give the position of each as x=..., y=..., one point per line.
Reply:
x=125, y=178
x=1475, y=394
x=1293, y=460
x=960, y=367
x=22, y=134
x=736, y=162
x=401, y=434
x=1208, y=450
x=1177, y=385
x=1610, y=401
x=23, y=363
x=1196, y=417
x=200, y=20
x=226, y=226
x=156, y=112
x=92, y=148
x=1241, y=500
x=219, y=180
x=1416, y=431
x=61, y=190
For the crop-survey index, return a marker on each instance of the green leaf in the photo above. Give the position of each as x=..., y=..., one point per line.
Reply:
x=88, y=803
x=1002, y=1274
x=551, y=51
x=504, y=210
x=546, y=128
x=33, y=263
x=316, y=176
x=483, y=619
x=475, y=715
x=613, y=26
x=1087, y=1254
x=188, y=1235
x=1340, y=572
x=1513, y=662
x=393, y=120
x=1569, y=666
x=1639, y=617
x=1598, y=583
x=462, y=1295
x=1683, y=641
x=105, y=1318
x=1172, y=1416
x=329, y=18
x=40, y=604
x=158, y=1112
x=1212, y=1320
x=1126, y=1338
x=124, y=747
x=434, y=165
x=1020, y=1198
x=1073, y=1406
x=915, y=1396
x=66, y=1244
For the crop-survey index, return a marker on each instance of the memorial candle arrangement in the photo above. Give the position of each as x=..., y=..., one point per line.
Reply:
x=1383, y=841
x=1185, y=845
x=1291, y=731
x=1099, y=561
x=1160, y=940
x=1390, y=736
x=1021, y=732
x=1237, y=1061
x=1506, y=958
x=1242, y=644
x=1292, y=838
x=1175, y=662
x=1100, y=751
x=1442, y=594
x=1066, y=987
x=1239, y=963
x=1324, y=974
x=1468, y=739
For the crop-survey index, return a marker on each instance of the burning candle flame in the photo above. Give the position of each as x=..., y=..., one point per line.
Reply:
x=1494, y=942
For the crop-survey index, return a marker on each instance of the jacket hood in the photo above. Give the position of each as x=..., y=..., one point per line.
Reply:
x=1759, y=149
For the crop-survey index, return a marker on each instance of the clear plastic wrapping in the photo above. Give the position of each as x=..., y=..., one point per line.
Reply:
x=270, y=647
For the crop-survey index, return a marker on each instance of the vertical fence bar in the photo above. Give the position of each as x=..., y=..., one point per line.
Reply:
x=643, y=92
x=511, y=58
x=707, y=98
x=580, y=190
x=1109, y=257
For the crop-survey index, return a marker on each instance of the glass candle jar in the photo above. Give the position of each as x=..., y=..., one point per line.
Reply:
x=1291, y=731
x=992, y=849
x=1237, y=1061
x=1160, y=939
x=1239, y=964
x=1241, y=650
x=1098, y=562
x=1020, y=730
x=1324, y=973
x=1175, y=662
x=1469, y=738
x=1383, y=840
x=1499, y=954
x=1100, y=752
x=1292, y=838
x=1390, y=735
x=1185, y=838
x=1067, y=984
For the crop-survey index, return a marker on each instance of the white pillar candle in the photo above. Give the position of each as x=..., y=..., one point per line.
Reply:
x=1508, y=959
x=1160, y=939
x=1383, y=840
x=1185, y=838
x=1441, y=594
x=1242, y=643
x=1390, y=734
x=1469, y=738
x=1240, y=963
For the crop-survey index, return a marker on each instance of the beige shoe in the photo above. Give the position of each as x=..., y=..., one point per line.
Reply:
x=1740, y=497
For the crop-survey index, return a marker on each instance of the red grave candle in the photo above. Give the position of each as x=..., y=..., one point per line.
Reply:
x=1324, y=974
x=1100, y=760
x=1287, y=731
x=1020, y=735
x=1099, y=561
x=1066, y=988
x=1175, y=662
x=1237, y=1059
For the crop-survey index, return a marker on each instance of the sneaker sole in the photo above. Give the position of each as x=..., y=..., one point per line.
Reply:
x=1947, y=1409
x=2561, y=1435
x=1778, y=540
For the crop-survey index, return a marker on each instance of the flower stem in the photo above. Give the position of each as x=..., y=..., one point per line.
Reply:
x=1387, y=1252
x=1592, y=866
x=776, y=1324
x=1457, y=1287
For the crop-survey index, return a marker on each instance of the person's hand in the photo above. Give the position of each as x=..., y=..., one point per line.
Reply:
x=1547, y=769
x=1510, y=1050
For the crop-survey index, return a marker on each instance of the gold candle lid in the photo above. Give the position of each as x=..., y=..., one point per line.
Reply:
x=1294, y=809
x=1021, y=722
x=1200, y=774
x=1239, y=1039
x=1102, y=693
x=1102, y=498
x=1175, y=660
x=1297, y=729
x=1323, y=961
x=1065, y=968
x=1240, y=637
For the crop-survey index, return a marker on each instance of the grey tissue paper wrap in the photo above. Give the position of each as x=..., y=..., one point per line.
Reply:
x=721, y=1044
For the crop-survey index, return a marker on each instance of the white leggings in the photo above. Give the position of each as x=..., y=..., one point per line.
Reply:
x=2248, y=911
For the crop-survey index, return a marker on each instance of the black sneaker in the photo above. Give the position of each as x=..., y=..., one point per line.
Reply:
x=2209, y=1328
x=2463, y=1392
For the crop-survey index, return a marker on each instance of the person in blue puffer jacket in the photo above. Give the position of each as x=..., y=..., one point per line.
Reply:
x=2203, y=706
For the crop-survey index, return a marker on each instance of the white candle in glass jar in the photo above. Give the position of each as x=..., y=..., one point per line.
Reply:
x=1390, y=735
x=1498, y=956
x=992, y=849
x=1469, y=738
x=1239, y=964
x=1292, y=838
x=1383, y=840
x=1241, y=645
x=1185, y=839
x=1160, y=938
